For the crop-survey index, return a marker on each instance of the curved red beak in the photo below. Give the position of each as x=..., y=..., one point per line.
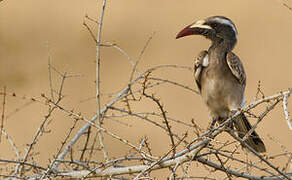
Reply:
x=193, y=29
x=185, y=32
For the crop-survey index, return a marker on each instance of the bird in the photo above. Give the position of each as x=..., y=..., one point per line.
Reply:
x=220, y=76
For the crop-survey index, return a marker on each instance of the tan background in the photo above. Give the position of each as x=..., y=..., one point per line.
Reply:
x=264, y=46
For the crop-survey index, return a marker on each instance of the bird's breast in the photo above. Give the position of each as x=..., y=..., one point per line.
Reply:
x=220, y=90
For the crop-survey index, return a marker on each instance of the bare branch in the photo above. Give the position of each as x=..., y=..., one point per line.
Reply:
x=134, y=169
x=50, y=73
x=140, y=56
x=3, y=112
x=82, y=154
x=258, y=155
x=11, y=142
x=285, y=107
x=163, y=112
x=99, y=118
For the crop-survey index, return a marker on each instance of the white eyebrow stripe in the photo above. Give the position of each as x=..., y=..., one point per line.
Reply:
x=227, y=22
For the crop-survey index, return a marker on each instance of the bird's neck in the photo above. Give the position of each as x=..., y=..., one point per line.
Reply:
x=222, y=46
x=218, y=51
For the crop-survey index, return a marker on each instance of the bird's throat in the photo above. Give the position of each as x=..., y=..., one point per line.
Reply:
x=222, y=45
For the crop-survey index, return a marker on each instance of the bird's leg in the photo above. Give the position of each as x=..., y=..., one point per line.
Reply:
x=231, y=113
x=214, y=120
x=211, y=127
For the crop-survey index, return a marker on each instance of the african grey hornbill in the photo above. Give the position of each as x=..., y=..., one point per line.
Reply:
x=220, y=76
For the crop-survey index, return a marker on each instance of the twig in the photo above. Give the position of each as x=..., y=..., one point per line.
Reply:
x=258, y=155
x=266, y=99
x=40, y=130
x=161, y=159
x=17, y=109
x=8, y=176
x=119, y=96
x=91, y=19
x=23, y=163
x=50, y=168
x=246, y=163
x=3, y=111
x=174, y=83
x=195, y=177
x=112, y=117
x=138, y=168
x=163, y=112
x=181, y=157
x=87, y=125
x=92, y=145
x=223, y=166
x=285, y=108
x=99, y=119
x=99, y=128
x=140, y=57
x=260, y=118
x=90, y=32
x=146, y=114
x=85, y=144
x=11, y=142
x=238, y=174
x=64, y=76
x=287, y=6
x=78, y=163
x=117, y=47
x=38, y=134
x=173, y=175
x=144, y=118
x=50, y=73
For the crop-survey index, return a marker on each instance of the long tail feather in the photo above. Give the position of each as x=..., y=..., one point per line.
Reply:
x=242, y=125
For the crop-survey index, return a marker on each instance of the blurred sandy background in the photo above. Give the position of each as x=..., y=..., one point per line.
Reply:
x=264, y=46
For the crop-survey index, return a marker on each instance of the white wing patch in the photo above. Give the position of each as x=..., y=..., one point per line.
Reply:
x=201, y=61
x=205, y=62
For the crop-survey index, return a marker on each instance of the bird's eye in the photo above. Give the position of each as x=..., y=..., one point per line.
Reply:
x=214, y=25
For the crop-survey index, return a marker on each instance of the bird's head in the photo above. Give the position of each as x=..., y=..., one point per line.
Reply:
x=215, y=28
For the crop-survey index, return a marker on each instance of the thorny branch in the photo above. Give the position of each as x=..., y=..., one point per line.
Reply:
x=202, y=147
x=118, y=98
x=41, y=130
x=163, y=112
x=191, y=153
x=196, y=150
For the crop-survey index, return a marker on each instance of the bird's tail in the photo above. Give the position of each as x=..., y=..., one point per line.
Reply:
x=242, y=125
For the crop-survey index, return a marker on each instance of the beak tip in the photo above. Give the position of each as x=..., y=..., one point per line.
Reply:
x=186, y=31
x=178, y=36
